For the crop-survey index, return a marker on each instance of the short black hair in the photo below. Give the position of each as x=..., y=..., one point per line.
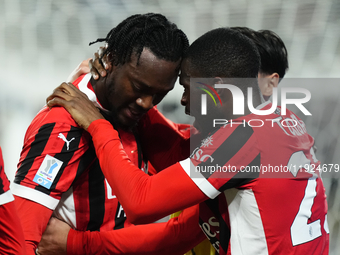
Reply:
x=225, y=53
x=273, y=52
x=153, y=31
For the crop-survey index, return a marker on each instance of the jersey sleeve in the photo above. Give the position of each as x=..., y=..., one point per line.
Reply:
x=51, y=159
x=180, y=185
x=227, y=158
x=176, y=236
x=149, y=197
x=5, y=193
x=11, y=235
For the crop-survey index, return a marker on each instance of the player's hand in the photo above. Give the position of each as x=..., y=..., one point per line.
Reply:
x=54, y=239
x=82, y=68
x=99, y=66
x=83, y=111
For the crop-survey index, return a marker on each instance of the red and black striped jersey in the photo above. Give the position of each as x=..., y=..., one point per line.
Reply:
x=264, y=195
x=58, y=168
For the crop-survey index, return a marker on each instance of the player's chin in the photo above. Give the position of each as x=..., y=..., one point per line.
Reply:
x=127, y=122
x=187, y=110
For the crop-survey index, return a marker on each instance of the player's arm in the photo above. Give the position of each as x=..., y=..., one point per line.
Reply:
x=47, y=168
x=144, y=198
x=173, y=237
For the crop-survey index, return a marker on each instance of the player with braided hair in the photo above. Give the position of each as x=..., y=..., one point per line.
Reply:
x=58, y=172
x=152, y=31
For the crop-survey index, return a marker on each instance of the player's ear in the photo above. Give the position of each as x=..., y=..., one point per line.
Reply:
x=267, y=82
x=224, y=94
x=273, y=82
x=110, y=57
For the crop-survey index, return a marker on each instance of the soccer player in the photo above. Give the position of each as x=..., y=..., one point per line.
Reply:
x=274, y=64
x=265, y=215
x=274, y=58
x=58, y=171
x=11, y=235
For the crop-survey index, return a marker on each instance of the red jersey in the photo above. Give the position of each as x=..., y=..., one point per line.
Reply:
x=267, y=215
x=11, y=235
x=5, y=194
x=263, y=211
x=58, y=169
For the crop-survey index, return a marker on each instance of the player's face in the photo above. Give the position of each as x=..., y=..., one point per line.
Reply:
x=132, y=89
x=184, y=80
x=191, y=98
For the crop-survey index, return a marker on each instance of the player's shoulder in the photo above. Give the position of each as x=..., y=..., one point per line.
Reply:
x=53, y=115
x=49, y=121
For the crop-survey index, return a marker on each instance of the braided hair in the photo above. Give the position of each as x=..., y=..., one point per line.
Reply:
x=149, y=30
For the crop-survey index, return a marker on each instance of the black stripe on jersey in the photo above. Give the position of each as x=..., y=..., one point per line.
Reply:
x=229, y=147
x=85, y=162
x=65, y=156
x=120, y=217
x=96, y=197
x=36, y=149
x=224, y=229
x=242, y=178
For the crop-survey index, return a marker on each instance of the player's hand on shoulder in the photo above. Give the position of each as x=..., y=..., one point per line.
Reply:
x=82, y=110
x=54, y=239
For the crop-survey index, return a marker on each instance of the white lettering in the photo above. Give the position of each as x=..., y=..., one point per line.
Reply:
x=297, y=101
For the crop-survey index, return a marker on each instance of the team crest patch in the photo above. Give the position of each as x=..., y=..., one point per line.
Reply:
x=47, y=171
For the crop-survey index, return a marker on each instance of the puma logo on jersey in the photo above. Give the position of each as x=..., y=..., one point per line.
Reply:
x=62, y=137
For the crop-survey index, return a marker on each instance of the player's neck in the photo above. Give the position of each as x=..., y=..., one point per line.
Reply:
x=99, y=90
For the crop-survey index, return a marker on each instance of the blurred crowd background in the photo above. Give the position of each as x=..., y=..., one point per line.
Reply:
x=42, y=41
